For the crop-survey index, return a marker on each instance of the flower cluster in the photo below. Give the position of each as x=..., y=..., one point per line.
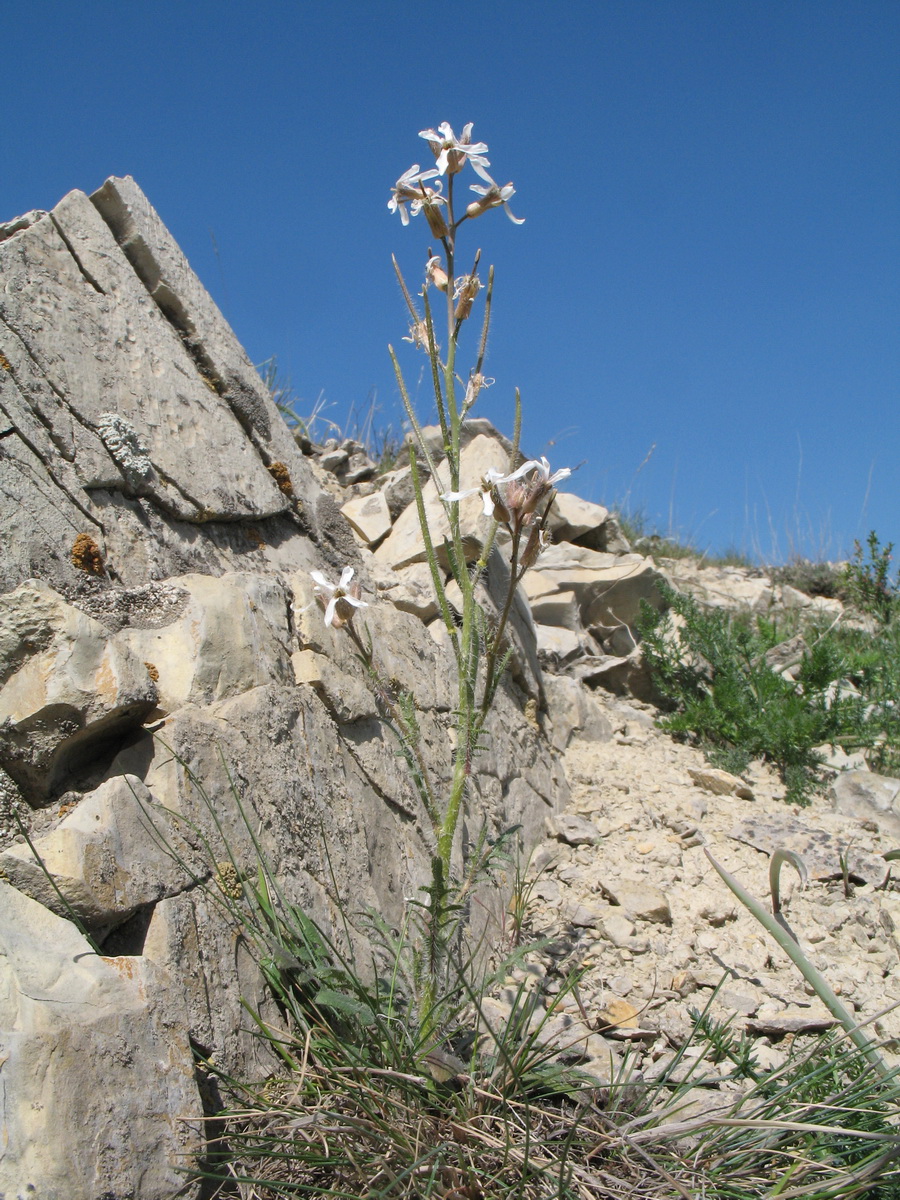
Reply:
x=525, y=490
x=451, y=155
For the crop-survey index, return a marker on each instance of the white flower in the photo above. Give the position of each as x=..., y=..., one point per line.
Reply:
x=492, y=197
x=342, y=601
x=409, y=190
x=486, y=488
x=452, y=152
x=542, y=469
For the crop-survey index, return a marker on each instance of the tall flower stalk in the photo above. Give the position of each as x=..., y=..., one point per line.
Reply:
x=518, y=500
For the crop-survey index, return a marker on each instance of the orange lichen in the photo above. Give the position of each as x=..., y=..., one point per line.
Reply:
x=4, y=362
x=86, y=555
x=152, y=671
x=280, y=474
x=254, y=536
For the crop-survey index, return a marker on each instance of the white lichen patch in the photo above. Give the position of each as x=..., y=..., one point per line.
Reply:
x=126, y=446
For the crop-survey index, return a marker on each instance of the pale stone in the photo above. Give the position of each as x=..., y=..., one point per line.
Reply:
x=411, y=590
x=369, y=516
x=404, y=545
x=67, y=686
x=608, y=588
x=572, y=829
x=618, y=1014
x=346, y=697
x=105, y=859
x=231, y=634
x=560, y=644
x=574, y=519
x=720, y=783
x=99, y=1097
x=641, y=901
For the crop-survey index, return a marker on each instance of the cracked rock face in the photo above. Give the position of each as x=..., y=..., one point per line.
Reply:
x=129, y=413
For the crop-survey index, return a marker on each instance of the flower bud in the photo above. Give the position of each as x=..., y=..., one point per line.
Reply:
x=467, y=288
x=435, y=219
x=436, y=274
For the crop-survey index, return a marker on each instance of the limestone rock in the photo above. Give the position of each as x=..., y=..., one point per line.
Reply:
x=576, y=831
x=608, y=588
x=575, y=520
x=230, y=634
x=105, y=859
x=369, y=516
x=99, y=1097
x=720, y=783
x=862, y=794
x=640, y=901
x=67, y=687
x=820, y=849
x=404, y=545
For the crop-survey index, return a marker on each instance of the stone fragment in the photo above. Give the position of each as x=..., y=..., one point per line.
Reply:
x=820, y=850
x=231, y=634
x=640, y=901
x=404, y=545
x=411, y=590
x=720, y=783
x=557, y=645
x=574, y=830
x=66, y=686
x=618, y=1014
x=99, y=1097
x=346, y=698
x=369, y=516
x=792, y=1020
x=577, y=520
x=863, y=794
x=618, y=929
x=608, y=588
x=105, y=859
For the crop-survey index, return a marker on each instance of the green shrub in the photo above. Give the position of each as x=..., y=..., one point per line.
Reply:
x=714, y=676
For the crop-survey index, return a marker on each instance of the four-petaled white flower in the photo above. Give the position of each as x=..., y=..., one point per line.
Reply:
x=452, y=152
x=492, y=197
x=486, y=488
x=409, y=189
x=339, y=609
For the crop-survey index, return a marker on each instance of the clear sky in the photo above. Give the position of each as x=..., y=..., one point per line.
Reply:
x=709, y=265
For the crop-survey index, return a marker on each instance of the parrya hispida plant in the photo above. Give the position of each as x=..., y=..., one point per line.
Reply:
x=518, y=500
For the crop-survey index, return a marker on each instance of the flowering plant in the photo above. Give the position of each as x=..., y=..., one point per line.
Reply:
x=517, y=500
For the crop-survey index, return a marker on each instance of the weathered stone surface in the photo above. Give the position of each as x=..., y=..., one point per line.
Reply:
x=640, y=901
x=574, y=830
x=369, y=517
x=820, y=849
x=720, y=783
x=133, y=420
x=577, y=520
x=67, y=687
x=230, y=634
x=608, y=588
x=99, y=1097
x=404, y=545
x=105, y=859
x=862, y=793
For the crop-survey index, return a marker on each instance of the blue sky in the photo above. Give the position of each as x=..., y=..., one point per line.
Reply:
x=709, y=264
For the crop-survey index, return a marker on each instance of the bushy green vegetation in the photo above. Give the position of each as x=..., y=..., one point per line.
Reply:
x=725, y=689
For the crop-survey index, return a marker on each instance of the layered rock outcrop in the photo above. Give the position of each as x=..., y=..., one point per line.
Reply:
x=163, y=668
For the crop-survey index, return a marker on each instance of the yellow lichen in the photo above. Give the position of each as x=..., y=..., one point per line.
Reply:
x=229, y=880
x=86, y=555
x=4, y=362
x=281, y=475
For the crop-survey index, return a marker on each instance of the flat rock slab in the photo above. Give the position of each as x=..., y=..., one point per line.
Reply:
x=819, y=849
